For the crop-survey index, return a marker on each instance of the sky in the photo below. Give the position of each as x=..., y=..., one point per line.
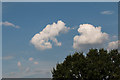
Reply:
x=0, y=40
x=37, y=36
x=60, y=1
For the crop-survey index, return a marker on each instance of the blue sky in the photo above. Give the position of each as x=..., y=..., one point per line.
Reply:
x=32, y=18
x=60, y=1
x=1, y=40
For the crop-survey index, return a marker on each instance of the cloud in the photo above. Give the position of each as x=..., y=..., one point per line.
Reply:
x=43, y=70
x=74, y=28
x=29, y=73
x=19, y=64
x=90, y=37
x=31, y=59
x=107, y=12
x=115, y=36
x=7, y=57
x=36, y=63
x=27, y=69
x=42, y=39
x=113, y=45
x=8, y=24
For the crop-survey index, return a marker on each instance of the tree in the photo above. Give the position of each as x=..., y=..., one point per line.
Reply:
x=95, y=65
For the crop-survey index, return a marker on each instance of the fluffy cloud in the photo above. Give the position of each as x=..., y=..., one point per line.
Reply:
x=7, y=57
x=114, y=36
x=36, y=63
x=27, y=69
x=19, y=63
x=6, y=23
x=113, y=45
x=31, y=59
x=107, y=12
x=90, y=37
x=42, y=39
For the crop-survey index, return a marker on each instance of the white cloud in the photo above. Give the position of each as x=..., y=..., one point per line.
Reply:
x=19, y=63
x=29, y=73
x=115, y=36
x=107, y=12
x=8, y=24
x=31, y=59
x=42, y=39
x=36, y=63
x=113, y=45
x=43, y=70
x=7, y=57
x=90, y=37
x=27, y=69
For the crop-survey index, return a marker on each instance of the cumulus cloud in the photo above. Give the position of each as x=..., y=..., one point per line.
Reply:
x=42, y=39
x=30, y=59
x=27, y=69
x=19, y=63
x=29, y=72
x=7, y=57
x=36, y=63
x=90, y=37
x=107, y=12
x=8, y=24
x=113, y=45
x=114, y=36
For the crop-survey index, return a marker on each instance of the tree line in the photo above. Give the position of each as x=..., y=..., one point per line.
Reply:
x=97, y=64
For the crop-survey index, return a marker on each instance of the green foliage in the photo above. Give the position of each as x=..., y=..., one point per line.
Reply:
x=96, y=65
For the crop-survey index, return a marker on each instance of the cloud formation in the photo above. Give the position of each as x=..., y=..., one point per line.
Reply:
x=42, y=39
x=107, y=12
x=19, y=63
x=30, y=59
x=8, y=24
x=7, y=57
x=36, y=63
x=90, y=37
x=27, y=69
x=113, y=45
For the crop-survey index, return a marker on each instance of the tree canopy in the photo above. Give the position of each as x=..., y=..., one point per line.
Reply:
x=95, y=65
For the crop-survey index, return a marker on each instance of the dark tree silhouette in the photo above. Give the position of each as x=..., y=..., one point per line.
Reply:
x=96, y=65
